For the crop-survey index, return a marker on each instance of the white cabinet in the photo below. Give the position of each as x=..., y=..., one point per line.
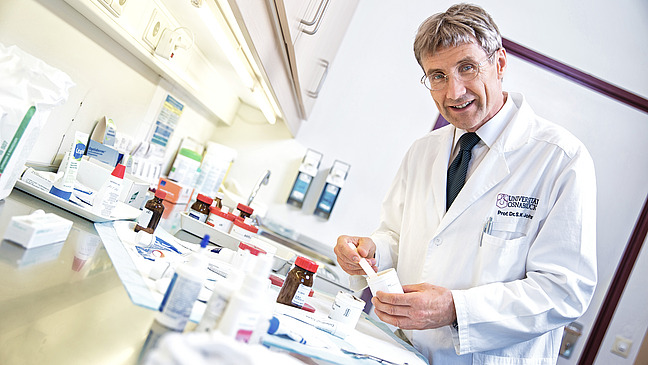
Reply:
x=312, y=31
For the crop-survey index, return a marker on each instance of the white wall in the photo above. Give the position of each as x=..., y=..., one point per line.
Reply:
x=372, y=108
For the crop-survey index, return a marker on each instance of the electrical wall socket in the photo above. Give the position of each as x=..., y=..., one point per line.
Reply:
x=621, y=346
x=116, y=7
x=156, y=25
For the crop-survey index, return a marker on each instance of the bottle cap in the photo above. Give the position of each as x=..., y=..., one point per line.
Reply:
x=244, y=208
x=119, y=171
x=252, y=248
x=205, y=199
x=205, y=241
x=160, y=194
x=239, y=222
x=220, y=195
x=306, y=264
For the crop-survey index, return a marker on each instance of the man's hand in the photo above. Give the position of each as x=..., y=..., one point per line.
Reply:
x=423, y=306
x=348, y=257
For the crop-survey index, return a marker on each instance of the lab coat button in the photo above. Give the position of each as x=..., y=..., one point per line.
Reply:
x=438, y=241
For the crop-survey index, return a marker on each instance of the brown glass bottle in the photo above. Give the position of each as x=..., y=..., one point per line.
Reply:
x=218, y=200
x=151, y=214
x=200, y=208
x=298, y=283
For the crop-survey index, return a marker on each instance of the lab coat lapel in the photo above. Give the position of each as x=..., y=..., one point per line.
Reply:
x=440, y=172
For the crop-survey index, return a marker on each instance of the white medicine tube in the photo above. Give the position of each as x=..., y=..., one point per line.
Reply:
x=67, y=171
x=108, y=195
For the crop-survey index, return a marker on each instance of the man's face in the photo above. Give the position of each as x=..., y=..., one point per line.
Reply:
x=468, y=104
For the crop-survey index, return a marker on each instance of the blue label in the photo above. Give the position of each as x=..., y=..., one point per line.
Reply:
x=78, y=150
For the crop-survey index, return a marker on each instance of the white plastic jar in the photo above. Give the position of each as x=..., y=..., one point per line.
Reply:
x=220, y=219
x=243, y=230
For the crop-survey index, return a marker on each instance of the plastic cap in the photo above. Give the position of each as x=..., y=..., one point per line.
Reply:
x=244, y=208
x=308, y=308
x=220, y=195
x=252, y=248
x=205, y=199
x=119, y=171
x=160, y=194
x=240, y=223
x=205, y=241
x=306, y=264
x=274, y=325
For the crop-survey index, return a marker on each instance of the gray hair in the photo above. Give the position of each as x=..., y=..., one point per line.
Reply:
x=460, y=24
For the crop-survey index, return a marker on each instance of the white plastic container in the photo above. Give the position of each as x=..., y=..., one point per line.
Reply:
x=243, y=230
x=249, y=304
x=346, y=309
x=386, y=281
x=108, y=195
x=220, y=219
x=183, y=290
x=221, y=295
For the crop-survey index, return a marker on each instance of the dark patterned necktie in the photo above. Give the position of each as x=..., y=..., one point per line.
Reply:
x=459, y=167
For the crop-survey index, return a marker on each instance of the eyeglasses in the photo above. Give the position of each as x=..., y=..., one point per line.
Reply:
x=466, y=71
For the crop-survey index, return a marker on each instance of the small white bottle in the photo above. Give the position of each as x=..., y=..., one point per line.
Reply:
x=245, y=309
x=183, y=290
x=108, y=195
x=221, y=295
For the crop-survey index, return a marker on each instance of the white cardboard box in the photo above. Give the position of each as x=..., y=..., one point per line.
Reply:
x=37, y=229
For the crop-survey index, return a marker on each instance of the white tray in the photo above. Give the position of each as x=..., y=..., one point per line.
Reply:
x=200, y=229
x=121, y=211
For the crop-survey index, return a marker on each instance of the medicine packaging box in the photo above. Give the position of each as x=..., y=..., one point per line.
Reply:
x=37, y=229
x=176, y=193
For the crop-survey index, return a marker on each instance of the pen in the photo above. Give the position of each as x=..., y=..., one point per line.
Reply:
x=488, y=228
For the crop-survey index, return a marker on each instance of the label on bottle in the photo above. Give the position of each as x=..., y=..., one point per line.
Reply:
x=108, y=196
x=245, y=326
x=300, y=295
x=145, y=218
x=197, y=215
x=178, y=301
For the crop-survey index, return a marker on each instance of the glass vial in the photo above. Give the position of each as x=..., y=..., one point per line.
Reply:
x=151, y=214
x=298, y=283
x=200, y=208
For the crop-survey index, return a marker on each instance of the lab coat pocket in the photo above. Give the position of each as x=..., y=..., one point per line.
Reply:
x=502, y=259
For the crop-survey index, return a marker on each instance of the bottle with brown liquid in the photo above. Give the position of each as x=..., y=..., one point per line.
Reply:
x=218, y=200
x=151, y=214
x=298, y=283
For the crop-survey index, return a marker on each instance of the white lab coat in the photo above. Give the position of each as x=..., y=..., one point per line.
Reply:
x=515, y=288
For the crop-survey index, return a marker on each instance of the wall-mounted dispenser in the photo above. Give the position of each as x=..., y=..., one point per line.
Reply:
x=334, y=182
x=307, y=171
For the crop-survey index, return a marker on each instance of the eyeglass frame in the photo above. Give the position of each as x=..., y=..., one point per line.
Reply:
x=445, y=77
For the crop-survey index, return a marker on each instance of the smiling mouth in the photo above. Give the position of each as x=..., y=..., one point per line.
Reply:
x=461, y=106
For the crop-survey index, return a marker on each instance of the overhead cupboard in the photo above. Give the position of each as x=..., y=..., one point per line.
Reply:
x=273, y=54
x=295, y=42
x=312, y=34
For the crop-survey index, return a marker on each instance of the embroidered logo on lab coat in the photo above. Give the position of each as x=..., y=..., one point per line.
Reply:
x=516, y=201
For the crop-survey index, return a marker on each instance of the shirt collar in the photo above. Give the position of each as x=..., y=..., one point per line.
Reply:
x=489, y=132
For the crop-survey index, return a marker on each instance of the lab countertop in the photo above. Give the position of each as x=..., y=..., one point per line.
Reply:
x=52, y=314
x=55, y=311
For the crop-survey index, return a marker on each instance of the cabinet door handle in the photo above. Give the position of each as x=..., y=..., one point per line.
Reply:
x=315, y=94
x=317, y=19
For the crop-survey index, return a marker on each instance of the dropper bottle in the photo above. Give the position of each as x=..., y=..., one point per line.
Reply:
x=183, y=290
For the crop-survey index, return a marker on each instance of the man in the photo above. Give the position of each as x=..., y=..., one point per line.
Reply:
x=493, y=270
